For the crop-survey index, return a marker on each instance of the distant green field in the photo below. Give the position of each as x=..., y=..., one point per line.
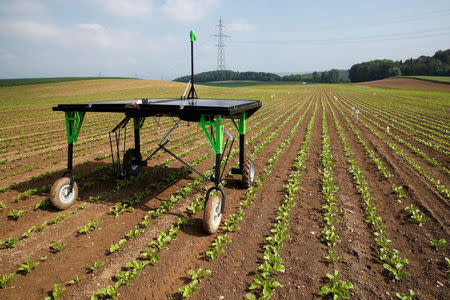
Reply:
x=23, y=81
x=439, y=79
x=243, y=83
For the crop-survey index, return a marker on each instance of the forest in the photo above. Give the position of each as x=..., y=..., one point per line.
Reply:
x=436, y=65
x=332, y=76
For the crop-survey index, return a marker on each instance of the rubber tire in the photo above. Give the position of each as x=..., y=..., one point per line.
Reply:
x=212, y=214
x=57, y=188
x=131, y=163
x=248, y=173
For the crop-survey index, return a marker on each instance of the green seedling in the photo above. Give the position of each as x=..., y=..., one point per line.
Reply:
x=119, y=208
x=86, y=229
x=395, y=264
x=2, y=205
x=435, y=242
x=337, y=288
x=265, y=284
x=94, y=267
x=25, y=195
x=41, y=227
x=56, y=293
x=9, y=242
x=27, y=266
x=16, y=214
x=109, y=292
x=57, y=246
x=331, y=256
x=217, y=246
x=411, y=295
x=29, y=232
x=76, y=280
x=43, y=203
x=5, y=279
x=124, y=278
x=117, y=246
x=188, y=290
x=79, y=207
x=399, y=191
x=417, y=214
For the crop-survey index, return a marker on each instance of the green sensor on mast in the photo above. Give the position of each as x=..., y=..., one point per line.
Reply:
x=192, y=93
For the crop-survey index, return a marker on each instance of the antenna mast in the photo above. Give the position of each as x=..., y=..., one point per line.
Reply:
x=220, y=46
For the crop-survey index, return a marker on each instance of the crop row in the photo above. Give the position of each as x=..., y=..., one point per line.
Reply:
x=150, y=254
x=264, y=282
x=437, y=183
x=407, y=144
x=193, y=206
x=393, y=261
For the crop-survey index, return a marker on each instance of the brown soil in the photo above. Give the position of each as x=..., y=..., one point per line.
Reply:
x=233, y=270
x=408, y=83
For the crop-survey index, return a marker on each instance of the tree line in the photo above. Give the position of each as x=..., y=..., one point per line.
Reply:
x=436, y=65
x=332, y=76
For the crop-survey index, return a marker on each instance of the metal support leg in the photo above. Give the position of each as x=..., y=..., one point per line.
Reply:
x=241, y=152
x=70, y=158
x=137, y=143
x=240, y=170
x=217, y=169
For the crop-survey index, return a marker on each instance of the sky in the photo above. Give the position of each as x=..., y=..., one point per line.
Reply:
x=150, y=38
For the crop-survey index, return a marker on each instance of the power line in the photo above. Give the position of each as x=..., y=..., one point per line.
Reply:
x=220, y=46
x=445, y=31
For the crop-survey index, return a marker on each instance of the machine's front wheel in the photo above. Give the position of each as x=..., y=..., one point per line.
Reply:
x=212, y=214
x=61, y=195
x=131, y=162
x=248, y=173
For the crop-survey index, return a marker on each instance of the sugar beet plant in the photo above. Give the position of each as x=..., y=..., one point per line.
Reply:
x=264, y=281
x=150, y=255
x=416, y=214
x=437, y=183
x=329, y=233
x=231, y=224
x=86, y=229
x=189, y=289
x=394, y=262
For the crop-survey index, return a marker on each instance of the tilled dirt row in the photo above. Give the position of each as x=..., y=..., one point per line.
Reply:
x=174, y=261
x=16, y=228
x=232, y=271
x=406, y=235
x=83, y=151
x=85, y=249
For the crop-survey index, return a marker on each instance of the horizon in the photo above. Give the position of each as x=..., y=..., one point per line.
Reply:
x=149, y=39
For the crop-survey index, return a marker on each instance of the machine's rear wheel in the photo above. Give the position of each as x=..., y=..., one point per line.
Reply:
x=60, y=194
x=212, y=214
x=131, y=162
x=248, y=173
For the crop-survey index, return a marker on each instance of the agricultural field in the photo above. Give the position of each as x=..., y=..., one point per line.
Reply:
x=431, y=83
x=443, y=79
x=343, y=204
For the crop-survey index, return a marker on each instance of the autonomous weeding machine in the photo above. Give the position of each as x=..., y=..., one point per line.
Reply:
x=210, y=113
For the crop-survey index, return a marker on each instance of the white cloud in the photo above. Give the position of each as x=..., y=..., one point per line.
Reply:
x=23, y=8
x=6, y=55
x=126, y=9
x=188, y=10
x=94, y=27
x=240, y=26
x=28, y=30
x=83, y=36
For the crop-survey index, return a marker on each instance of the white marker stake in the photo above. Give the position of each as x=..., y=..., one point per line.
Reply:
x=353, y=110
x=357, y=114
